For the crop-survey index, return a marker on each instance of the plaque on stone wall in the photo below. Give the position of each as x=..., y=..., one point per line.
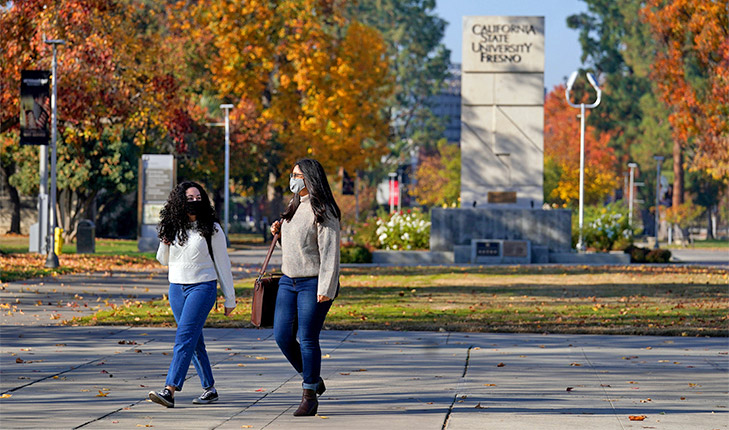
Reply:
x=487, y=249
x=516, y=248
x=502, y=196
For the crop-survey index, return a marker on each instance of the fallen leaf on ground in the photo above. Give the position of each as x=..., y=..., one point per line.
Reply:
x=6, y=396
x=637, y=417
x=19, y=360
x=344, y=373
x=489, y=385
x=575, y=364
x=102, y=394
x=323, y=417
x=500, y=365
x=261, y=358
x=326, y=356
x=261, y=389
x=570, y=388
x=478, y=406
x=246, y=427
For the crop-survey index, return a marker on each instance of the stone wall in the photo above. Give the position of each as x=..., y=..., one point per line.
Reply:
x=544, y=228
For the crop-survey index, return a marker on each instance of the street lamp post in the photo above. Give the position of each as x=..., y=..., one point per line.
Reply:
x=227, y=108
x=52, y=259
x=582, y=106
x=659, y=159
x=630, y=194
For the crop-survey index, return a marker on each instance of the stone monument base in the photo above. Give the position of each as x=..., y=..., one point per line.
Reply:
x=501, y=235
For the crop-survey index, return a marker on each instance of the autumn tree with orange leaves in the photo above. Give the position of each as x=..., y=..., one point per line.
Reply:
x=692, y=73
x=562, y=156
x=315, y=78
x=117, y=96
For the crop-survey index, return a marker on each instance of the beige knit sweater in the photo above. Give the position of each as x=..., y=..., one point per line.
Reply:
x=311, y=249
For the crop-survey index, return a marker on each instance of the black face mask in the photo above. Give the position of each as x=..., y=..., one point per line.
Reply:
x=194, y=207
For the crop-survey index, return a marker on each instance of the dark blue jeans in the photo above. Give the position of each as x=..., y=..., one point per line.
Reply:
x=191, y=304
x=298, y=313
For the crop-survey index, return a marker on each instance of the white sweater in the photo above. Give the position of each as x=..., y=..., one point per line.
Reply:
x=191, y=263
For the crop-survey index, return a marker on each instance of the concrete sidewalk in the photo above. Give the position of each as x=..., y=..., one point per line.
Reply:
x=98, y=377
x=55, y=376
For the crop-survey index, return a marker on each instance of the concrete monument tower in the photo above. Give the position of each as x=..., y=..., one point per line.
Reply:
x=502, y=112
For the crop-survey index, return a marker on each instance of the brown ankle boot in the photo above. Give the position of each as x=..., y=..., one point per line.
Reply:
x=309, y=404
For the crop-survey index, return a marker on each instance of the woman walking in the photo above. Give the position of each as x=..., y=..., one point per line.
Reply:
x=193, y=245
x=310, y=266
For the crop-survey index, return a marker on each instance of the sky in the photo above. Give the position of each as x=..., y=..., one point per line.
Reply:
x=562, y=48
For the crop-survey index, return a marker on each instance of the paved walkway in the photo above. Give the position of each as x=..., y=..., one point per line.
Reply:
x=98, y=377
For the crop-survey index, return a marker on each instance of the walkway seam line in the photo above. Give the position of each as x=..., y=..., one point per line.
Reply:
x=602, y=386
x=460, y=384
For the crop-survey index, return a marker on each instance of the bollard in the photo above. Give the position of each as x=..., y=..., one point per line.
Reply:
x=58, y=246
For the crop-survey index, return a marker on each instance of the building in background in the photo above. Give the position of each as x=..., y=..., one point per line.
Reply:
x=447, y=104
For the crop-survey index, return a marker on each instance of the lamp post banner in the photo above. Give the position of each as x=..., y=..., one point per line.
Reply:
x=35, y=107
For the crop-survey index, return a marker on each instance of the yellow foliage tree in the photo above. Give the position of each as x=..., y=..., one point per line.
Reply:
x=318, y=79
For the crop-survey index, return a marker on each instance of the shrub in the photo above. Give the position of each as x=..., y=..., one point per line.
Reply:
x=403, y=231
x=355, y=253
x=658, y=256
x=604, y=226
x=645, y=255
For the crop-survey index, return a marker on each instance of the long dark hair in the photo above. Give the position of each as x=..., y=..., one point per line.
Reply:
x=175, y=222
x=322, y=200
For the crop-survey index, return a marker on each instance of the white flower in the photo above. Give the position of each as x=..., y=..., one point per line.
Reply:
x=382, y=237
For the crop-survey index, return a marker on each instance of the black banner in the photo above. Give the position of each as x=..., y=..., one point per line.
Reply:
x=35, y=107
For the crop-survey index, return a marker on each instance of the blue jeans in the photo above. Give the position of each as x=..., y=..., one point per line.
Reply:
x=298, y=312
x=191, y=304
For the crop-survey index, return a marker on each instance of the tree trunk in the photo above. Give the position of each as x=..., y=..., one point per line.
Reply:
x=14, y=200
x=677, y=173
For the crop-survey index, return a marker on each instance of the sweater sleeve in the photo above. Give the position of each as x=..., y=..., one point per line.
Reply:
x=222, y=266
x=163, y=253
x=328, y=241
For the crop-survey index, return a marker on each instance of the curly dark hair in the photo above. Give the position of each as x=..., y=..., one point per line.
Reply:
x=322, y=200
x=175, y=222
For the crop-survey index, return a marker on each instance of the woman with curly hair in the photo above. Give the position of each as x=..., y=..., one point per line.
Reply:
x=310, y=265
x=193, y=245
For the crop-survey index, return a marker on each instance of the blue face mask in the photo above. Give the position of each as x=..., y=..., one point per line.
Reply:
x=296, y=185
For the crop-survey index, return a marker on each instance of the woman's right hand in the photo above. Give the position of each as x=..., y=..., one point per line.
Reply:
x=275, y=227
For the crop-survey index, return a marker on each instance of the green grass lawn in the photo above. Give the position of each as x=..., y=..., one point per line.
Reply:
x=19, y=245
x=553, y=299
x=703, y=244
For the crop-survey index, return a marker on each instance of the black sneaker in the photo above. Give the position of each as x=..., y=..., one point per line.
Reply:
x=208, y=396
x=163, y=397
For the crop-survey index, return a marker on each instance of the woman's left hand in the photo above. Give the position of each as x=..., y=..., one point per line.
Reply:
x=322, y=299
x=228, y=311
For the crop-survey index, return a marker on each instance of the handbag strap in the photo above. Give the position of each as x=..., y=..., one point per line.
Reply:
x=268, y=256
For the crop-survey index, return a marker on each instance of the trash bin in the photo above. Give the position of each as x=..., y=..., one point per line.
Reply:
x=85, y=237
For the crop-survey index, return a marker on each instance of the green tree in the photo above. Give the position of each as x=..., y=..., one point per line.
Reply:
x=418, y=65
x=618, y=46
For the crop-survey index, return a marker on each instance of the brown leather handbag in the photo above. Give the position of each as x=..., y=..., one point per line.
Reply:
x=264, y=293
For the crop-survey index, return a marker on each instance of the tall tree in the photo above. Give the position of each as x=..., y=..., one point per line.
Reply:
x=692, y=71
x=114, y=93
x=314, y=79
x=418, y=66
x=562, y=155
x=617, y=45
